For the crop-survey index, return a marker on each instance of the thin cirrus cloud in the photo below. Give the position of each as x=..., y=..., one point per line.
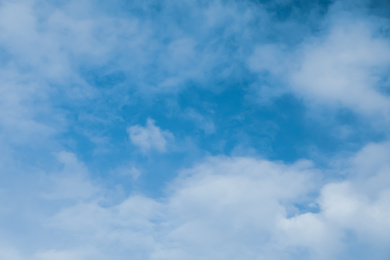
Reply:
x=81, y=80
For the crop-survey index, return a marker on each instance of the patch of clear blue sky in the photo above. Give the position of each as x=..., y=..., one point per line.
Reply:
x=220, y=91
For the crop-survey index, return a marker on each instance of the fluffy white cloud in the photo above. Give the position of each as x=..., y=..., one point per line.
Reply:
x=353, y=213
x=230, y=208
x=346, y=66
x=225, y=207
x=149, y=137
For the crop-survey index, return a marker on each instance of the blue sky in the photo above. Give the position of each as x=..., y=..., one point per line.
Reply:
x=235, y=129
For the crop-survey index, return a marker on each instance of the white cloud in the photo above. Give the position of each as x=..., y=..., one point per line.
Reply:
x=150, y=137
x=345, y=66
x=225, y=208
x=353, y=212
x=231, y=208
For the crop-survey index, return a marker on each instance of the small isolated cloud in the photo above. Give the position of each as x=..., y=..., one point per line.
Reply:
x=149, y=137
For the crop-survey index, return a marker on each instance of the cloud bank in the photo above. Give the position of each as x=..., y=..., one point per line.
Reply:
x=231, y=208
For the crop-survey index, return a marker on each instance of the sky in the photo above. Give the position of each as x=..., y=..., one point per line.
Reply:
x=194, y=129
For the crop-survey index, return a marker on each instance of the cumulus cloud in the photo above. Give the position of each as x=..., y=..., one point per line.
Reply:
x=344, y=65
x=243, y=208
x=149, y=137
x=230, y=208
x=353, y=213
x=224, y=207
